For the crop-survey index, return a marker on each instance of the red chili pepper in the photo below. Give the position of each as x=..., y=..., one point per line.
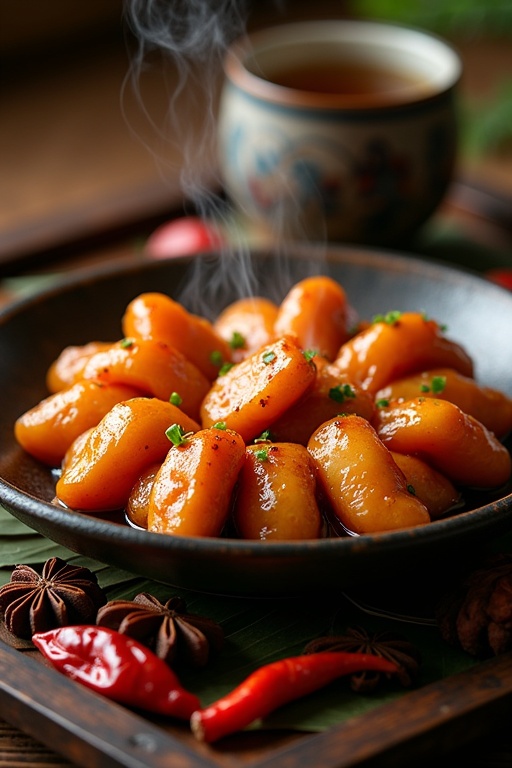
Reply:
x=276, y=684
x=118, y=667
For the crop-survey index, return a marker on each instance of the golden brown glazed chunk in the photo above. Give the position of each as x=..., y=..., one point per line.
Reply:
x=366, y=490
x=69, y=365
x=315, y=312
x=157, y=316
x=454, y=443
x=388, y=350
x=276, y=495
x=489, y=406
x=191, y=494
x=48, y=429
x=330, y=394
x=437, y=493
x=154, y=368
x=247, y=325
x=258, y=390
x=101, y=472
x=137, y=506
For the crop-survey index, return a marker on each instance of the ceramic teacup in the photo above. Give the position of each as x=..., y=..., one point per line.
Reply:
x=339, y=130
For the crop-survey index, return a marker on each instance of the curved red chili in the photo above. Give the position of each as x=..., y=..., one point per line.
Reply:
x=118, y=667
x=276, y=684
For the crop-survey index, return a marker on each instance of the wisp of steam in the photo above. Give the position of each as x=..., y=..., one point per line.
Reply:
x=188, y=39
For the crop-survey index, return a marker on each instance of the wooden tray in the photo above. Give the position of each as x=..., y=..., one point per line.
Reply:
x=91, y=731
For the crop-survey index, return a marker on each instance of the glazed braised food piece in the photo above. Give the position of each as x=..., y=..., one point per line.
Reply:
x=258, y=390
x=331, y=393
x=364, y=487
x=247, y=325
x=397, y=345
x=99, y=472
x=69, y=365
x=315, y=312
x=272, y=422
x=154, y=368
x=137, y=506
x=276, y=497
x=444, y=436
x=436, y=491
x=489, y=406
x=158, y=317
x=49, y=428
x=192, y=490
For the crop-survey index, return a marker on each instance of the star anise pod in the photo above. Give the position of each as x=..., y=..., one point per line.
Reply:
x=172, y=633
x=388, y=645
x=476, y=613
x=63, y=594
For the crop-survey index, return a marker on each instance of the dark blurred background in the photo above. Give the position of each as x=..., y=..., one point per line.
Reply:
x=79, y=161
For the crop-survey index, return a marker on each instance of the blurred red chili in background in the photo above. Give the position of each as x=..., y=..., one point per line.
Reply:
x=185, y=236
x=118, y=667
x=502, y=276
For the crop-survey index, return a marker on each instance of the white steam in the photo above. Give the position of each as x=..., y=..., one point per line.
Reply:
x=185, y=42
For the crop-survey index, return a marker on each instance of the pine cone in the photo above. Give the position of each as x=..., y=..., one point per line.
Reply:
x=477, y=613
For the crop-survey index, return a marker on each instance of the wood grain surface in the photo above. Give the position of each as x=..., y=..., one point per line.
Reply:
x=75, y=172
x=91, y=731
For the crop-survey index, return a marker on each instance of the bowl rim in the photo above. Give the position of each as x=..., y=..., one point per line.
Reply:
x=18, y=501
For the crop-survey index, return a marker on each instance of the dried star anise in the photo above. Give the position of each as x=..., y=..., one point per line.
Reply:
x=476, y=613
x=388, y=645
x=63, y=594
x=172, y=633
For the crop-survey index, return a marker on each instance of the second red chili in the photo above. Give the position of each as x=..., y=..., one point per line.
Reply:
x=273, y=685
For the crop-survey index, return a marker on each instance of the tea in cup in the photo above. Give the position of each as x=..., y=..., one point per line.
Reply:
x=339, y=130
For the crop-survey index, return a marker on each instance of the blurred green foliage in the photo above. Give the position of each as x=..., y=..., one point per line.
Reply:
x=489, y=130
x=448, y=17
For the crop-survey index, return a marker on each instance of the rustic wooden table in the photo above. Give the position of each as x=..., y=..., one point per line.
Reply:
x=78, y=187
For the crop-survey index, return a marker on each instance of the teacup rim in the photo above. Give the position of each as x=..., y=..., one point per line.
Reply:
x=237, y=72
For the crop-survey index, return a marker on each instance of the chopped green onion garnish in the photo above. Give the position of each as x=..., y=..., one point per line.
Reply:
x=237, y=341
x=264, y=437
x=268, y=357
x=175, y=399
x=219, y=425
x=261, y=454
x=390, y=317
x=225, y=368
x=216, y=358
x=383, y=403
x=438, y=384
x=340, y=392
x=177, y=435
x=127, y=343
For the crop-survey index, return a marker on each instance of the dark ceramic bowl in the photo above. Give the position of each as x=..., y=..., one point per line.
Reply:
x=90, y=306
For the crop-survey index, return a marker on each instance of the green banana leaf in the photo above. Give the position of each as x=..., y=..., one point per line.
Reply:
x=256, y=632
